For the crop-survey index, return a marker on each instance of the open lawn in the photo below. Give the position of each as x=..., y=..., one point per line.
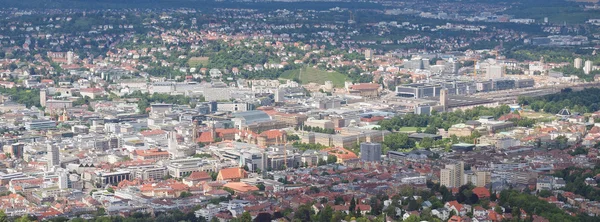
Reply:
x=537, y=115
x=195, y=61
x=309, y=75
x=408, y=129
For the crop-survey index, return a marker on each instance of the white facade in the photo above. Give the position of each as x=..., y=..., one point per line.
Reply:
x=578, y=63
x=587, y=67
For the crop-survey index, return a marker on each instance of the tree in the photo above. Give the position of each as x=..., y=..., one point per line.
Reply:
x=396, y=141
x=339, y=200
x=545, y=193
x=431, y=130
x=3, y=217
x=326, y=214
x=185, y=194
x=498, y=209
x=331, y=159
x=376, y=206
x=412, y=218
x=337, y=216
x=24, y=218
x=246, y=217
x=426, y=142
x=263, y=217
x=352, y=206
x=304, y=213
x=412, y=205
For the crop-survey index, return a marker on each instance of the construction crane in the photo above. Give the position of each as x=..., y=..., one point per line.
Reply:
x=285, y=155
x=474, y=67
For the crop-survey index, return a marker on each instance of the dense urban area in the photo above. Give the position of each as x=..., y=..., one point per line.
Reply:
x=292, y=110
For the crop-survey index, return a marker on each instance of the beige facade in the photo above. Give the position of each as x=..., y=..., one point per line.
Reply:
x=452, y=175
x=460, y=130
x=323, y=124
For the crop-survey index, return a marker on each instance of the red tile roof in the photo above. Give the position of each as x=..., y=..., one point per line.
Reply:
x=365, y=86
x=232, y=173
x=92, y=90
x=201, y=175
x=241, y=187
x=456, y=205
x=481, y=192
x=271, y=134
x=152, y=132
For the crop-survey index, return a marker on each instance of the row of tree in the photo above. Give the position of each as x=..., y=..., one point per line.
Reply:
x=441, y=120
x=584, y=101
x=317, y=129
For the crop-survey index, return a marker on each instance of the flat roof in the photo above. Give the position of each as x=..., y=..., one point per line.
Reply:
x=458, y=101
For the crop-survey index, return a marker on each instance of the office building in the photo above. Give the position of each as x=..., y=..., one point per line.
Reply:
x=53, y=155
x=494, y=72
x=40, y=125
x=578, y=63
x=113, y=178
x=444, y=99
x=370, y=152
x=15, y=150
x=452, y=175
x=423, y=109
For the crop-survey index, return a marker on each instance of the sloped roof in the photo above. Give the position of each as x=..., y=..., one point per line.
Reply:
x=201, y=175
x=564, y=112
x=232, y=173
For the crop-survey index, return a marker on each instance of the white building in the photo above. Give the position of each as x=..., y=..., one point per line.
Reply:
x=587, y=67
x=578, y=63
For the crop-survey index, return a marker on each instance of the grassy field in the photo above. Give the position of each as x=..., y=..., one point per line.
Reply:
x=408, y=129
x=195, y=61
x=537, y=115
x=310, y=75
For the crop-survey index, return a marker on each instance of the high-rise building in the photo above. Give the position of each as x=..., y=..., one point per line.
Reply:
x=279, y=95
x=63, y=180
x=172, y=144
x=483, y=178
x=587, y=67
x=444, y=99
x=368, y=54
x=43, y=97
x=370, y=152
x=69, y=57
x=478, y=178
x=53, y=155
x=452, y=175
x=578, y=63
